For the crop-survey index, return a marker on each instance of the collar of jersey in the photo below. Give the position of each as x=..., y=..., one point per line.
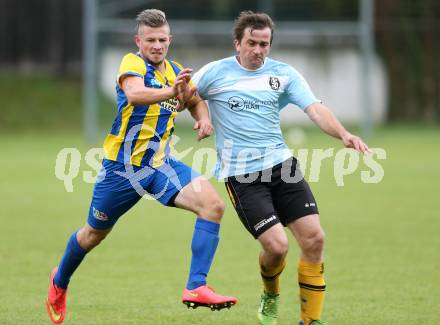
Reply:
x=249, y=70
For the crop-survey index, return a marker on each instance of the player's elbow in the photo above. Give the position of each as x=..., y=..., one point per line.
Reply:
x=133, y=98
x=313, y=111
x=319, y=114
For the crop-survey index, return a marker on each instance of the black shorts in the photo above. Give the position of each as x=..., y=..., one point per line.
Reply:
x=263, y=199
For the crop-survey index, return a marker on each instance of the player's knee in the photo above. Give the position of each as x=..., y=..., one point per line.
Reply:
x=315, y=242
x=277, y=247
x=218, y=209
x=321, y=239
x=318, y=240
x=89, y=238
x=213, y=209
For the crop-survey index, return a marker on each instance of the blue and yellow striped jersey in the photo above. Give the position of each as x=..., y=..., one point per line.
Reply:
x=141, y=134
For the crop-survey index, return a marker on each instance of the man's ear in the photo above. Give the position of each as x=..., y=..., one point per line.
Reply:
x=237, y=45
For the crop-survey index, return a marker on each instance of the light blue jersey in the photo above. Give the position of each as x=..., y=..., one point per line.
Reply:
x=245, y=110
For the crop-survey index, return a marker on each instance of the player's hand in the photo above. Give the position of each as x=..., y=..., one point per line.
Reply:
x=205, y=128
x=184, y=76
x=353, y=141
x=184, y=95
x=185, y=92
x=180, y=87
x=182, y=90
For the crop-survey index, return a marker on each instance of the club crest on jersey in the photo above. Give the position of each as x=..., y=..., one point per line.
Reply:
x=99, y=215
x=274, y=83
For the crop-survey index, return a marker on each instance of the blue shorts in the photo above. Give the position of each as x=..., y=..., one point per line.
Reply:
x=119, y=187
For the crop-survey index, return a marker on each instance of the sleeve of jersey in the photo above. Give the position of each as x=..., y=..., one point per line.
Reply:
x=298, y=91
x=131, y=65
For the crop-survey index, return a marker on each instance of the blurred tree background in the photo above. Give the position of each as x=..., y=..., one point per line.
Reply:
x=44, y=38
x=408, y=39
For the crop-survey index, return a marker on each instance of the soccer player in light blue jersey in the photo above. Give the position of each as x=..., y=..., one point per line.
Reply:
x=150, y=90
x=245, y=94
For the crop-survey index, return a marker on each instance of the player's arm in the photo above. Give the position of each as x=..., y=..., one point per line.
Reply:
x=199, y=111
x=137, y=94
x=323, y=117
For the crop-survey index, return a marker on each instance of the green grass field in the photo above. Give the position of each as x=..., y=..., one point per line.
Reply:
x=382, y=248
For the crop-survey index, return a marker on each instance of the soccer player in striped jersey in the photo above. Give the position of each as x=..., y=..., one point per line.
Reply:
x=150, y=92
x=245, y=94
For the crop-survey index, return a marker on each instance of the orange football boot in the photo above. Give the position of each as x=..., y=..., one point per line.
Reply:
x=205, y=296
x=56, y=301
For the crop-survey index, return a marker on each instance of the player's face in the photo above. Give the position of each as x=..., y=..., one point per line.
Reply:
x=153, y=43
x=253, y=47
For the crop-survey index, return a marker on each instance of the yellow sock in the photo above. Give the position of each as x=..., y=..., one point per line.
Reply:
x=271, y=277
x=311, y=290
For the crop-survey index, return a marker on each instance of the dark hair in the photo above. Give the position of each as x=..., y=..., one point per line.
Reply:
x=254, y=21
x=151, y=18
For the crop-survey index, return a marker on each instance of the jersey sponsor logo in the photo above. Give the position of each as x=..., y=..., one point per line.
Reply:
x=274, y=83
x=264, y=222
x=99, y=215
x=171, y=105
x=155, y=83
x=237, y=104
